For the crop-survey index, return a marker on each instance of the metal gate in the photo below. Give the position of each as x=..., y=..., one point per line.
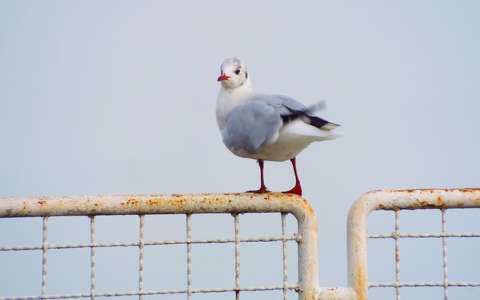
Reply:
x=397, y=200
x=306, y=285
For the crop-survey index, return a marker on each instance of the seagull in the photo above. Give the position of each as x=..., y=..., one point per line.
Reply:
x=265, y=127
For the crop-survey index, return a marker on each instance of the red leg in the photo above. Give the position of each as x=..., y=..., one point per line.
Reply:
x=263, y=188
x=297, y=189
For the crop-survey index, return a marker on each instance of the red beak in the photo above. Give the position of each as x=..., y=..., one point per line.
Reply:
x=223, y=77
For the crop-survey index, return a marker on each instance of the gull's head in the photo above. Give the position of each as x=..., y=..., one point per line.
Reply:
x=233, y=73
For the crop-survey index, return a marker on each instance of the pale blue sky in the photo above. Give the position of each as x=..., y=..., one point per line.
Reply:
x=100, y=97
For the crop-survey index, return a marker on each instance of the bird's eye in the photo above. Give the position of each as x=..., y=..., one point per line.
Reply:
x=237, y=71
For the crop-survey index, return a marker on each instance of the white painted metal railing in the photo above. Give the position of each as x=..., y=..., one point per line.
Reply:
x=397, y=200
x=236, y=204
x=141, y=205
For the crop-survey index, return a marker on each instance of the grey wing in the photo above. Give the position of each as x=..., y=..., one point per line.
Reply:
x=289, y=102
x=291, y=109
x=250, y=126
x=279, y=102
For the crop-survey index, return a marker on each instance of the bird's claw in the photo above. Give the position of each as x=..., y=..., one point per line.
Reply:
x=297, y=190
x=260, y=190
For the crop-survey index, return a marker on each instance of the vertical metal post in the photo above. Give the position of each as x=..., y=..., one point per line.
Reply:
x=189, y=256
x=44, y=255
x=444, y=254
x=237, y=255
x=140, y=255
x=92, y=257
x=397, y=254
x=285, y=257
x=307, y=258
x=357, y=249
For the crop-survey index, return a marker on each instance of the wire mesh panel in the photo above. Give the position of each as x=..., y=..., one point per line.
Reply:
x=443, y=235
x=235, y=206
x=440, y=202
x=238, y=207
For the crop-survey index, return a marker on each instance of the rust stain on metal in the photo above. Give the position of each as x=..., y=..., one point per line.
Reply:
x=440, y=201
x=361, y=282
x=153, y=202
x=307, y=207
x=234, y=194
x=130, y=202
x=179, y=203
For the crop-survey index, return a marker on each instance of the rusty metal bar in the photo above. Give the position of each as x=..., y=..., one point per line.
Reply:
x=157, y=204
x=307, y=258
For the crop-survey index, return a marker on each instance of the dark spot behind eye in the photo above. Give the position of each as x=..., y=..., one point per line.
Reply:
x=237, y=71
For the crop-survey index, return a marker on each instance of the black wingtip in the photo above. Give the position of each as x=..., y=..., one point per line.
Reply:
x=312, y=120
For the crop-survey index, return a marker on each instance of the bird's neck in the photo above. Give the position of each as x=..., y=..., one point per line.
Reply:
x=228, y=99
x=238, y=93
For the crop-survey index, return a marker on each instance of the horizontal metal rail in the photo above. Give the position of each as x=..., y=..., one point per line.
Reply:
x=160, y=292
x=155, y=204
x=153, y=243
x=424, y=235
x=424, y=284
